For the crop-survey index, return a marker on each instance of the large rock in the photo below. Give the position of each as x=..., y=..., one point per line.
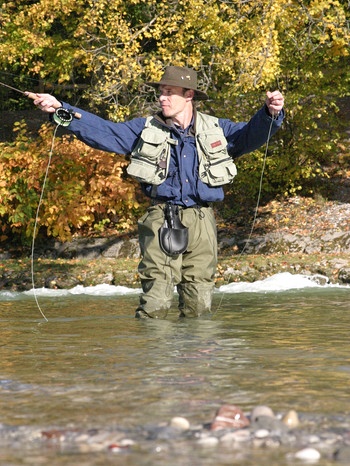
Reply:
x=285, y=243
x=93, y=248
x=344, y=275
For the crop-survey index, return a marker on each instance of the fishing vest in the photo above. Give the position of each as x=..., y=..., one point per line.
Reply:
x=151, y=157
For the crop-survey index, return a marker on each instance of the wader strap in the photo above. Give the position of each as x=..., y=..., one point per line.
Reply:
x=153, y=192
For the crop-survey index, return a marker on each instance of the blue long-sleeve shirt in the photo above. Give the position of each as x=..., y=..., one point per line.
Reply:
x=182, y=185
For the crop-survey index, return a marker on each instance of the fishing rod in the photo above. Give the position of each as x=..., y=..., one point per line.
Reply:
x=31, y=95
x=61, y=116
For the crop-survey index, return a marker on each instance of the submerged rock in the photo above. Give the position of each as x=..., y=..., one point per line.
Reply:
x=230, y=430
x=269, y=423
x=291, y=419
x=343, y=454
x=229, y=416
x=261, y=411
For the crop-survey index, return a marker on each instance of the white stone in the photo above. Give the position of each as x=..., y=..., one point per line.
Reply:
x=208, y=441
x=127, y=442
x=180, y=423
x=313, y=439
x=237, y=436
x=228, y=438
x=262, y=433
x=308, y=454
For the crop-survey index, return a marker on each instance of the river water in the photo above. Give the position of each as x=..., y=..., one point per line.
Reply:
x=282, y=342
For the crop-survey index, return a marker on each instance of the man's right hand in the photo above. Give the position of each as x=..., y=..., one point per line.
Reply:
x=46, y=102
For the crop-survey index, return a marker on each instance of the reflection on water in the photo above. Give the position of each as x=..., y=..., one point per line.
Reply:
x=94, y=365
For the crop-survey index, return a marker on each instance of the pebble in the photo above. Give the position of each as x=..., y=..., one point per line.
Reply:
x=262, y=433
x=116, y=447
x=271, y=442
x=230, y=429
x=242, y=435
x=308, y=454
x=82, y=438
x=124, y=444
x=261, y=411
x=208, y=441
x=291, y=419
x=127, y=442
x=343, y=454
x=272, y=424
x=180, y=423
x=229, y=416
x=331, y=438
x=313, y=439
x=266, y=442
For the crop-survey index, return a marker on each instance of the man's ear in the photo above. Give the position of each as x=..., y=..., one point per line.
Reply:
x=189, y=94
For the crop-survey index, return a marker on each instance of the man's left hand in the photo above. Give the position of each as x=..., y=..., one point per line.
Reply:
x=274, y=102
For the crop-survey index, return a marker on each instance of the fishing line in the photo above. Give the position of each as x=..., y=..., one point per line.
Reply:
x=256, y=209
x=33, y=96
x=62, y=117
x=37, y=221
x=259, y=194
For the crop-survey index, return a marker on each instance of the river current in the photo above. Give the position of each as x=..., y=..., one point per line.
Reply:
x=281, y=342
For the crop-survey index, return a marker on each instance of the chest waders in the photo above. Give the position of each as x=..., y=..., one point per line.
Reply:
x=178, y=245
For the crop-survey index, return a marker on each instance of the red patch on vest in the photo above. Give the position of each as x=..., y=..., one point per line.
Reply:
x=215, y=144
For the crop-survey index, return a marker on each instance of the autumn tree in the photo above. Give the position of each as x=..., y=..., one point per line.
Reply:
x=102, y=51
x=86, y=189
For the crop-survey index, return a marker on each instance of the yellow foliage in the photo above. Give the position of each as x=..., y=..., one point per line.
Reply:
x=240, y=49
x=237, y=46
x=85, y=187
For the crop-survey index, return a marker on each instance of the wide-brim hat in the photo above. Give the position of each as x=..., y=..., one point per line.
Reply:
x=181, y=77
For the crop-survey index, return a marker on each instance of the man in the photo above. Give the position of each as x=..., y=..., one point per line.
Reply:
x=182, y=159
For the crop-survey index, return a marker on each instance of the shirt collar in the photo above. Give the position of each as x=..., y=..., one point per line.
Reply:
x=190, y=130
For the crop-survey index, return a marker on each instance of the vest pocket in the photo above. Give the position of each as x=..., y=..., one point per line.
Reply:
x=150, y=145
x=221, y=173
x=143, y=171
x=148, y=159
x=216, y=167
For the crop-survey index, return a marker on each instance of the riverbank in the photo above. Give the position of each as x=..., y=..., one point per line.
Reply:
x=15, y=274
x=299, y=235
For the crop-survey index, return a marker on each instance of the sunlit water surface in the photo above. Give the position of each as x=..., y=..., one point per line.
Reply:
x=94, y=366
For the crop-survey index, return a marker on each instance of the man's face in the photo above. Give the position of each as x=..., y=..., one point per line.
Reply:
x=173, y=100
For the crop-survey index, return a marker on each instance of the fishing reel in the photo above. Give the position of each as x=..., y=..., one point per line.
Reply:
x=63, y=116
